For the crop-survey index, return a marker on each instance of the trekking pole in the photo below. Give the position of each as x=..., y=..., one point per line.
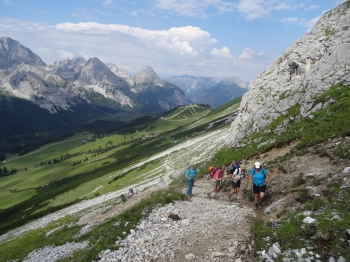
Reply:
x=268, y=195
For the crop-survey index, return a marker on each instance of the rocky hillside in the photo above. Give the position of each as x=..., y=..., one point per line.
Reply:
x=308, y=68
x=97, y=76
x=32, y=83
x=13, y=53
x=107, y=87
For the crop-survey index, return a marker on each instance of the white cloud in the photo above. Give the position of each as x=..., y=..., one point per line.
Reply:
x=223, y=53
x=196, y=8
x=176, y=51
x=253, y=9
x=284, y=6
x=308, y=24
x=5, y=2
x=311, y=7
x=248, y=53
x=65, y=54
x=180, y=40
x=290, y=20
x=101, y=13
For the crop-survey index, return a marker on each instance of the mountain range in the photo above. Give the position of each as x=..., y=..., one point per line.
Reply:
x=210, y=90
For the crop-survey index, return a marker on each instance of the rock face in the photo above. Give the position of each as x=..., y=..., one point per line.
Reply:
x=49, y=91
x=97, y=76
x=55, y=87
x=122, y=73
x=13, y=53
x=156, y=94
x=309, y=67
x=67, y=68
x=210, y=90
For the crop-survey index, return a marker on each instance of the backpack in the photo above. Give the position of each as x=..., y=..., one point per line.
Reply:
x=213, y=171
x=238, y=175
x=263, y=170
x=234, y=166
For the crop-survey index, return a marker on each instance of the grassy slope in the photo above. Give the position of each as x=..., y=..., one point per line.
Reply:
x=52, y=186
x=334, y=121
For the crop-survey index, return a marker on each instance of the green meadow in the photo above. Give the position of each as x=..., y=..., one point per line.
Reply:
x=88, y=165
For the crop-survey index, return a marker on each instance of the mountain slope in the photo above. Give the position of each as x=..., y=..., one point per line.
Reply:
x=210, y=90
x=156, y=95
x=97, y=76
x=13, y=53
x=309, y=67
x=67, y=68
x=47, y=90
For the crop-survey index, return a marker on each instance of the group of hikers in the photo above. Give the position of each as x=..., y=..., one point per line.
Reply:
x=258, y=178
x=130, y=194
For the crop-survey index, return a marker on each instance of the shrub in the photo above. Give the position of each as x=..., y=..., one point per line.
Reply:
x=303, y=195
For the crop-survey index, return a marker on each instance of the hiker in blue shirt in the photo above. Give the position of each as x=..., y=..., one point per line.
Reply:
x=259, y=177
x=191, y=174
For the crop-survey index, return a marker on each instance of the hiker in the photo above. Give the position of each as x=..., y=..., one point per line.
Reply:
x=259, y=177
x=191, y=174
x=217, y=178
x=236, y=177
x=122, y=197
x=130, y=193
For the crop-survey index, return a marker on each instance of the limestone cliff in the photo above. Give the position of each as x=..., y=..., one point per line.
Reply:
x=309, y=67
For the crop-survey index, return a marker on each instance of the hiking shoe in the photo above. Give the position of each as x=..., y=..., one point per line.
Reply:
x=260, y=205
x=208, y=194
x=256, y=206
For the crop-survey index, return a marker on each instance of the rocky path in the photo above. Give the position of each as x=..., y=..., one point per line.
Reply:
x=200, y=229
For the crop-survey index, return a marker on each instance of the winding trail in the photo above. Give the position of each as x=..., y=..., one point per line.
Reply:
x=178, y=157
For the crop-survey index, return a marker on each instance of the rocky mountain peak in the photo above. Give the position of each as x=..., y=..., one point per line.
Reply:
x=122, y=73
x=13, y=53
x=147, y=75
x=307, y=69
x=67, y=68
x=97, y=76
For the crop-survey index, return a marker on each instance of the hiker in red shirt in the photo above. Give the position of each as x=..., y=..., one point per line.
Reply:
x=218, y=176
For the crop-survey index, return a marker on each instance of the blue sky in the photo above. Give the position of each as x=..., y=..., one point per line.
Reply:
x=219, y=38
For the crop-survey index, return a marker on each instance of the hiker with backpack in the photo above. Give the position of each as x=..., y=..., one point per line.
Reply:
x=236, y=175
x=191, y=174
x=259, y=177
x=217, y=176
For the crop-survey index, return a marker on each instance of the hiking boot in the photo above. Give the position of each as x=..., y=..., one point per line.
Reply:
x=256, y=206
x=208, y=194
x=260, y=205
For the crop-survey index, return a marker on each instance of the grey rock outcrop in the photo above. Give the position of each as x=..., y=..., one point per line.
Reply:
x=146, y=78
x=45, y=89
x=13, y=53
x=322, y=57
x=97, y=76
x=67, y=68
x=122, y=73
x=155, y=93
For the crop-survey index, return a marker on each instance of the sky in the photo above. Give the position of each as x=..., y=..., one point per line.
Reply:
x=203, y=38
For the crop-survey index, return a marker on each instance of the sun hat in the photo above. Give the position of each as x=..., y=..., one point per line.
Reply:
x=257, y=164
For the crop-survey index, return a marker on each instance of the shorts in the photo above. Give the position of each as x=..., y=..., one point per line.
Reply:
x=216, y=184
x=258, y=189
x=236, y=184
